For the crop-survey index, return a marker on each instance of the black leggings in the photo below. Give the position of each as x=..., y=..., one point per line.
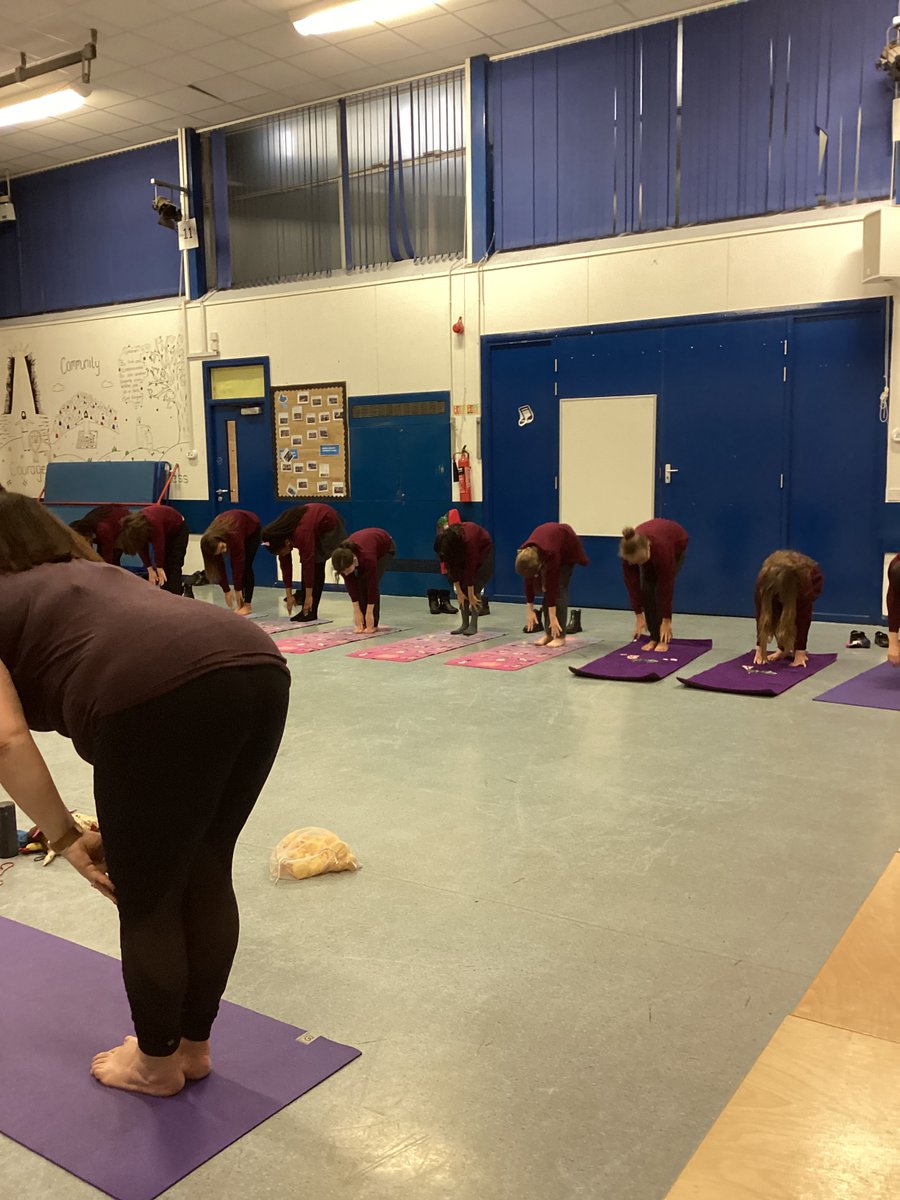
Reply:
x=176, y=549
x=248, y=583
x=562, y=599
x=325, y=547
x=170, y=835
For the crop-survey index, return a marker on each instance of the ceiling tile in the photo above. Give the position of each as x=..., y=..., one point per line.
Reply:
x=223, y=115
x=233, y=55
x=232, y=18
x=656, y=8
x=328, y=61
x=277, y=76
x=100, y=122
x=279, y=7
x=135, y=82
x=178, y=33
x=102, y=145
x=124, y=14
x=31, y=163
x=587, y=22
x=266, y=102
x=232, y=88
x=500, y=16
x=606, y=14
x=439, y=32
x=27, y=139
x=186, y=100
x=183, y=68
x=543, y=34
x=383, y=47
x=144, y=111
x=281, y=41
x=132, y=49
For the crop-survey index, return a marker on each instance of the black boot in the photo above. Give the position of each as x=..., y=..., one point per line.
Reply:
x=473, y=621
x=574, y=625
x=434, y=603
x=485, y=609
x=446, y=606
x=539, y=614
x=466, y=621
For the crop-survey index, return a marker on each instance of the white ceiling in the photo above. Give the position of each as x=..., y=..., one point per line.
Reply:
x=164, y=64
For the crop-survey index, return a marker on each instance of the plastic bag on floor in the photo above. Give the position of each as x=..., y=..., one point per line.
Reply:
x=311, y=851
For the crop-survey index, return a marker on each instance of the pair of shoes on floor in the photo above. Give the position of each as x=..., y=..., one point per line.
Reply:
x=302, y=616
x=858, y=640
x=439, y=602
x=881, y=639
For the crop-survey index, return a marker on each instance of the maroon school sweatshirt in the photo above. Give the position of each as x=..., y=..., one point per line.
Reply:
x=241, y=525
x=368, y=545
x=317, y=520
x=560, y=547
x=165, y=522
x=668, y=542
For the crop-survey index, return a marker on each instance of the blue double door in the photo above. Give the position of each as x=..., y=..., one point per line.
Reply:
x=769, y=428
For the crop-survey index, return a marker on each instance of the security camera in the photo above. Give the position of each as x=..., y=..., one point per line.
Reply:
x=169, y=214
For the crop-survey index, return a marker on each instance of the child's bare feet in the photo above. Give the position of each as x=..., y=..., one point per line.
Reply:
x=195, y=1059
x=245, y=610
x=543, y=641
x=556, y=642
x=128, y=1068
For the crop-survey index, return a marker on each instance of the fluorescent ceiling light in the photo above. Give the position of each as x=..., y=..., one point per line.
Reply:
x=48, y=102
x=339, y=17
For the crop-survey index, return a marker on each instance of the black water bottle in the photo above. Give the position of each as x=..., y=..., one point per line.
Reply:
x=9, y=839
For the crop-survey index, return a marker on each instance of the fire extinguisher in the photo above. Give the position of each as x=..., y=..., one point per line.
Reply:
x=464, y=470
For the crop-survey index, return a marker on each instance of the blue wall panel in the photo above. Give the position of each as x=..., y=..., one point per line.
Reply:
x=86, y=234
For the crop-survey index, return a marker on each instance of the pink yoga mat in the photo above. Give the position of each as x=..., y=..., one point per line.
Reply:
x=513, y=657
x=306, y=643
x=61, y=1004
x=284, y=625
x=424, y=646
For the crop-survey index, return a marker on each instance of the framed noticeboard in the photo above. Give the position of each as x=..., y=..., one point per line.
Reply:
x=312, y=449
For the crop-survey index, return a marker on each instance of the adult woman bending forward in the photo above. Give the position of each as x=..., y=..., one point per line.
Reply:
x=362, y=561
x=315, y=531
x=89, y=651
x=546, y=561
x=651, y=557
x=235, y=533
x=787, y=586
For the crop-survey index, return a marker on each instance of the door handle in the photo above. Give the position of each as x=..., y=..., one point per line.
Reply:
x=669, y=472
x=221, y=493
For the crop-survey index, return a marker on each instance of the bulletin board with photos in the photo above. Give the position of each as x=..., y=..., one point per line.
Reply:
x=312, y=458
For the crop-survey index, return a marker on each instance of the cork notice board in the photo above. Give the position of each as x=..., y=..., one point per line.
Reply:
x=312, y=460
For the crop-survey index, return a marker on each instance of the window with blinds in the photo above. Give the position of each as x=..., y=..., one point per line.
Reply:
x=377, y=178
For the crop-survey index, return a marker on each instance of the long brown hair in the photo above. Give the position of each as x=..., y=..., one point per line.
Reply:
x=343, y=557
x=209, y=545
x=782, y=579
x=135, y=534
x=31, y=536
x=633, y=544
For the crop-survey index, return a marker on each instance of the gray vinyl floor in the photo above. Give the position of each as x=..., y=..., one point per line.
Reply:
x=583, y=910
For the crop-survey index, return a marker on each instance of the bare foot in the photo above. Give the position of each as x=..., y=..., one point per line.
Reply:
x=127, y=1067
x=554, y=643
x=245, y=610
x=543, y=641
x=195, y=1059
x=650, y=646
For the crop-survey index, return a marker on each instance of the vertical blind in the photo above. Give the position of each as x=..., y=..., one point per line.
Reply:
x=376, y=178
x=764, y=106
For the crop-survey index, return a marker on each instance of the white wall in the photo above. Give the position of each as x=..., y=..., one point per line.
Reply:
x=390, y=331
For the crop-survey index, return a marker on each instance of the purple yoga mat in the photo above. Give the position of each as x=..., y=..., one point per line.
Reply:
x=878, y=688
x=738, y=675
x=635, y=665
x=61, y=1004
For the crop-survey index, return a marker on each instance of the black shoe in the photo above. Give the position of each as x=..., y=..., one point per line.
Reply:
x=539, y=614
x=198, y=579
x=187, y=590
x=485, y=608
x=574, y=625
x=303, y=617
x=858, y=640
x=434, y=604
x=445, y=605
x=881, y=639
